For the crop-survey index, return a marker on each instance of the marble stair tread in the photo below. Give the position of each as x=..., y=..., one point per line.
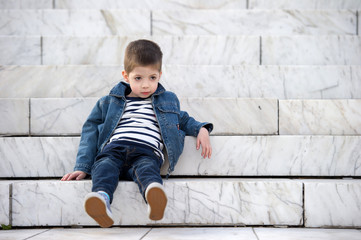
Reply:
x=190, y=201
x=238, y=81
x=283, y=156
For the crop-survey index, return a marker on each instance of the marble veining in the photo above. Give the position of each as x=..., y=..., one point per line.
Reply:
x=320, y=117
x=254, y=22
x=253, y=202
x=37, y=157
x=59, y=116
x=333, y=203
x=188, y=50
x=311, y=50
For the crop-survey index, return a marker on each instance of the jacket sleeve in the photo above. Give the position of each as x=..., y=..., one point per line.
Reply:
x=89, y=140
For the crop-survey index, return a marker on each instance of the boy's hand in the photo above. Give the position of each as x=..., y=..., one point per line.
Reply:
x=77, y=175
x=203, y=139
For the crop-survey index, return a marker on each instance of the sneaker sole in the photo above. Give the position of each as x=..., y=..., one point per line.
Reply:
x=157, y=201
x=97, y=210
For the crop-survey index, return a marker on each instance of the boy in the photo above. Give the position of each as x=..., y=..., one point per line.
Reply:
x=127, y=131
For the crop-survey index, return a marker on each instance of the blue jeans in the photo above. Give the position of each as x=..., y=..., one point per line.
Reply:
x=120, y=160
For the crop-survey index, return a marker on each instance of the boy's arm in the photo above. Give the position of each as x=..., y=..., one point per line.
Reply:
x=88, y=145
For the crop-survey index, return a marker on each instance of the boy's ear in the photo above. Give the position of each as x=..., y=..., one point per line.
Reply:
x=125, y=76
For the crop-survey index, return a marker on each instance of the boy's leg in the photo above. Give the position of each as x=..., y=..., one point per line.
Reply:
x=145, y=171
x=105, y=177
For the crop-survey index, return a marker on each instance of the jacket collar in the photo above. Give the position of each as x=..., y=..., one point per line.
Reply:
x=122, y=89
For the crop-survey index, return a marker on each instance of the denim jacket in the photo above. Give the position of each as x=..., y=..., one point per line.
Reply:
x=174, y=124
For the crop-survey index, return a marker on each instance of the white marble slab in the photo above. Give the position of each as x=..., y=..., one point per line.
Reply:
x=238, y=81
x=320, y=117
x=15, y=116
x=151, y=4
x=4, y=203
x=206, y=202
x=74, y=22
x=327, y=156
x=306, y=234
x=59, y=116
x=114, y=233
x=253, y=22
x=190, y=50
x=304, y=4
x=311, y=50
x=26, y=4
x=234, y=116
x=17, y=50
x=201, y=234
x=333, y=203
x=37, y=157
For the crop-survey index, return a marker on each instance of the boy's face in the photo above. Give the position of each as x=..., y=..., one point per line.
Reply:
x=143, y=81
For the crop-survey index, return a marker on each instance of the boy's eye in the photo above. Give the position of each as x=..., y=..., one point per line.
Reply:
x=138, y=78
x=153, y=78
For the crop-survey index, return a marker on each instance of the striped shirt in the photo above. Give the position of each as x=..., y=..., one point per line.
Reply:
x=139, y=125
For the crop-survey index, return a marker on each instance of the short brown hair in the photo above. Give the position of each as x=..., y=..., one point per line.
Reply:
x=142, y=53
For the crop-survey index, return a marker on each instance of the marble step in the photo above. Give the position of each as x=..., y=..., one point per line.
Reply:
x=185, y=50
x=65, y=116
x=185, y=4
x=177, y=22
x=232, y=201
x=124, y=4
x=190, y=202
x=238, y=81
x=307, y=156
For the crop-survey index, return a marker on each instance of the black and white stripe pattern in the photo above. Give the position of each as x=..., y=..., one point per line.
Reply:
x=139, y=125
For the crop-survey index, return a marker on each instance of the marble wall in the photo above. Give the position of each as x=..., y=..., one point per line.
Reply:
x=305, y=4
x=15, y=116
x=20, y=50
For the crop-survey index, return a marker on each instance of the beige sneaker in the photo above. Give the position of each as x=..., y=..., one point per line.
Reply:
x=157, y=201
x=97, y=206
